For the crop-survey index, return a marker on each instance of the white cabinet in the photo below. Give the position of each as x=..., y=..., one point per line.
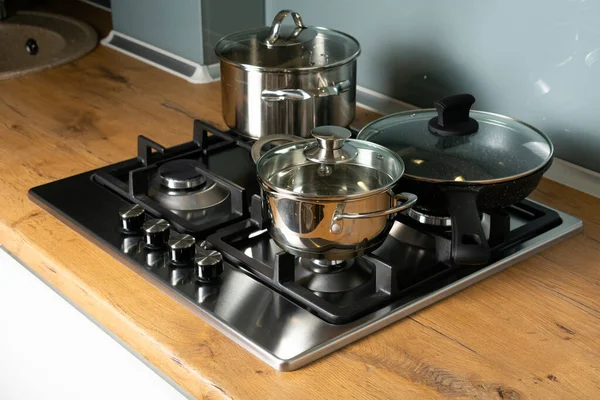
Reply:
x=49, y=350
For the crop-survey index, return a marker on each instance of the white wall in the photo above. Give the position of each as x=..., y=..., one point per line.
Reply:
x=49, y=350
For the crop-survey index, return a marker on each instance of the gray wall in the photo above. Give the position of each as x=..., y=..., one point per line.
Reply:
x=188, y=28
x=220, y=18
x=536, y=60
x=174, y=26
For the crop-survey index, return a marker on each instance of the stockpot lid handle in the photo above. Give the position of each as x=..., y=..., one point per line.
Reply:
x=276, y=25
x=331, y=146
x=453, y=116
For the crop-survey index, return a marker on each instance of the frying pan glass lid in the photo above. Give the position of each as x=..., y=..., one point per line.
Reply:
x=454, y=144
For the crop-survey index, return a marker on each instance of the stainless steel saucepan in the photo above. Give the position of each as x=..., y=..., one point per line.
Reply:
x=287, y=79
x=329, y=198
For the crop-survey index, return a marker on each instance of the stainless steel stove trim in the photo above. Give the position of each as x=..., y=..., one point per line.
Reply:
x=378, y=320
x=570, y=227
x=337, y=336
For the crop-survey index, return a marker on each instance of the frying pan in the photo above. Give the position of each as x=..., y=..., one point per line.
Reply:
x=461, y=163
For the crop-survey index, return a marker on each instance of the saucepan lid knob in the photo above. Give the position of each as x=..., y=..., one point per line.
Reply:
x=331, y=146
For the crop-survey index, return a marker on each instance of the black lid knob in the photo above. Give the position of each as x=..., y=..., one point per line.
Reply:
x=132, y=217
x=156, y=232
x=209, y=265
x=453, y=116
x=182, y=248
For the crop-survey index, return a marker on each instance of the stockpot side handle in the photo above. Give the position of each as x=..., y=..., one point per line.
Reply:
x=403, y=202
x=256, y=150
x=305, y=94
x=278, y=20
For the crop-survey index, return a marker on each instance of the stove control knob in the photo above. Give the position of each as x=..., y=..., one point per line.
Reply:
x=209, y=265
x=156, y=232
x=132, y=217
x=182, y=248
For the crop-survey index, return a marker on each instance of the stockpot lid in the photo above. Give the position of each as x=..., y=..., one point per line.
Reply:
x=280, y=47
x=453, y=144
x=329, y=166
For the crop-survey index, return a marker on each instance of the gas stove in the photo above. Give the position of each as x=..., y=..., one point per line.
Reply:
x=189, y=218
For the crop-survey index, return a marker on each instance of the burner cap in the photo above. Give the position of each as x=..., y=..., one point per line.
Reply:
x=181, y=174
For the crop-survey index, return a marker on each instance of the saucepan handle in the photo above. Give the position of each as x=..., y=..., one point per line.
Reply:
x=260, y=143
x=305, y=94
x=469, y=244
x=403, y=202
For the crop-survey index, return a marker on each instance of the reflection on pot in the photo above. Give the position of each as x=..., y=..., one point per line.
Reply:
x=298, y=216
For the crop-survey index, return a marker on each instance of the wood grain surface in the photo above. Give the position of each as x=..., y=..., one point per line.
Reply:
x=532, y=331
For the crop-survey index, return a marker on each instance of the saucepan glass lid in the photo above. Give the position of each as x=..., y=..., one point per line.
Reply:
x=306, y=168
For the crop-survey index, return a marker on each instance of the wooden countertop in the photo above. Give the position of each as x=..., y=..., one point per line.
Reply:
x=531, y=331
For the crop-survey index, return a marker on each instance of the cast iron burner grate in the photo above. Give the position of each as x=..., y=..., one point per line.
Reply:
x=132, y=178
x=502, y=232
x=411, y=256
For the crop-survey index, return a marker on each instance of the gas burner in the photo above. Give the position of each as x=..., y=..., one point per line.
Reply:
x=207, y=196
x=434, y=220
x=333, y=278
x=181, y=174
x=325, y=265
x=180, y=186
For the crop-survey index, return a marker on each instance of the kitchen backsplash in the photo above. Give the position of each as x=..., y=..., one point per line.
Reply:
x=536, y=60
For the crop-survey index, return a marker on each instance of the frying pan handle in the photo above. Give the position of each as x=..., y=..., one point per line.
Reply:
x=469, y=245
x=403, y=202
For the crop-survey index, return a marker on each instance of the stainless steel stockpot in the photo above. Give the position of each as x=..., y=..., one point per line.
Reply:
x=287, y=79
x=329, y=198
